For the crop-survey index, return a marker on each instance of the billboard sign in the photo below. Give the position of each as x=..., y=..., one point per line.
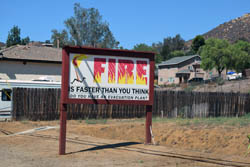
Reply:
x=107, y=76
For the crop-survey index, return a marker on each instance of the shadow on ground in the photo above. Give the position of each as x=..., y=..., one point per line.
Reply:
x=107, y=146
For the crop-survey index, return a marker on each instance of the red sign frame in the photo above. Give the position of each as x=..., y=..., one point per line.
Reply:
x=108, y=52
x=104, y=52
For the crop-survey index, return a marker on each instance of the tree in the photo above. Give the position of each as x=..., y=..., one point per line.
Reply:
x=171, y=44
x=215, y=54
x=87, y=28
x=108, y=40
x=13, y=37
x=25, y=41
x=157, y=47
x=240, y=56
x=47, y=41
x=176, y=53
x=190, y=52
x=198, y=41
x=165, y=52
x=145, y=48
x=61, y=37
x=243, y=45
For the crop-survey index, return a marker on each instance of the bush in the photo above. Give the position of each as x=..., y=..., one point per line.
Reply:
x=170, y=85
x=220, y=81
x=190, y=88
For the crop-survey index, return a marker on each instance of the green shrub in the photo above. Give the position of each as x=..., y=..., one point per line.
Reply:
x=95, y=121
x=220, y=81
x=190, y=88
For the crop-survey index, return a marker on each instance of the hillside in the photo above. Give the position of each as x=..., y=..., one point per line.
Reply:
x=232, y=30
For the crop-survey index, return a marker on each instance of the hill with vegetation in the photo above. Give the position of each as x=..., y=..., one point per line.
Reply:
x=233, y=30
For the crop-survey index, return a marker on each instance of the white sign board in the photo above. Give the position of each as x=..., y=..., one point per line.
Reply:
x=108, y=77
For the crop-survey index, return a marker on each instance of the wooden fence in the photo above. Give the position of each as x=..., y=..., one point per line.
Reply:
x=43, y=104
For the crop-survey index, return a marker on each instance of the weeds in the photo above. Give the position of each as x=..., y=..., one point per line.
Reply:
x=231, y=121
x=24, y=120
x=197, y=122
x=184, y=122
x=171, y=85
x=211, y=121
x=190, y=88
x=80, y=120
x=141, y=161
x=248, y=148
x=95, y=121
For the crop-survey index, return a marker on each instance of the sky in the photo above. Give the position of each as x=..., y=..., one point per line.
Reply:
x=131, y=21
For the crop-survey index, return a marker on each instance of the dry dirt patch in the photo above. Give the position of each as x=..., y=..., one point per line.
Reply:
x=120, y=143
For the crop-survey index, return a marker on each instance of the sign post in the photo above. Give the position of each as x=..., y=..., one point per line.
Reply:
x=106, y=76
x=62, y=137
x=148, y=123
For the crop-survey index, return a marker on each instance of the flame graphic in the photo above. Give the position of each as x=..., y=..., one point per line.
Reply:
x=98, y=78
x=140, y=80
x=77, y=60
x=141, y=72
x=99, y=69
x=125, y=72
x=126, y=79
x=111, y=79
x=111, y=71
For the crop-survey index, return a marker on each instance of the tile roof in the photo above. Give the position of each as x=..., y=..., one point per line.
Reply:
x=32, y=53
x=177, y=60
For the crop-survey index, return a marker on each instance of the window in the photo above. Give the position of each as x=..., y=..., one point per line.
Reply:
x=6, y=94
x=190, y=68
x=171, y=80
x=161, y=79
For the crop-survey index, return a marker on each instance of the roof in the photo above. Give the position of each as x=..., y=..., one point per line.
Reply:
x=177, y=60
x=32, y=53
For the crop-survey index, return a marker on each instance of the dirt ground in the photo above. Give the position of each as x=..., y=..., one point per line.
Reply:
x=121, y=143
x=242, y=86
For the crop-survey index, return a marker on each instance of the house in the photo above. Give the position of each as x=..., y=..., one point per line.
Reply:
x=180, y=69
x=29, y=62
x=29, y=66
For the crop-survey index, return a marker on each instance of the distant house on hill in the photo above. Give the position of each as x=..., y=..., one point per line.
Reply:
x=179, y=70
x=30, y=63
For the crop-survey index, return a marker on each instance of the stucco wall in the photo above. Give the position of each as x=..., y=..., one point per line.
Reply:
x=29, y=71
x=167, y=76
